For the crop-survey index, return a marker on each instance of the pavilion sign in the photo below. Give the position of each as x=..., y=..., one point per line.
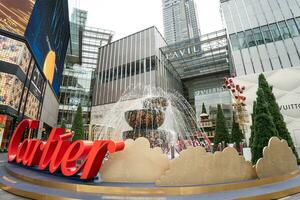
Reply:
x=182, y=52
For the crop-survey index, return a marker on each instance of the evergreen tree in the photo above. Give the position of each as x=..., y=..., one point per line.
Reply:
x=221, y=134
x=236, y=134
x=203, y=108
x=275, y=112
x=264, y=126
x=252, y=127
x=77, y=125
x=63, y=124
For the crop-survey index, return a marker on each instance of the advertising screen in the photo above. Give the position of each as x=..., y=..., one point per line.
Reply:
x=14, y=52
x=10, y=90
x=3, y=119
x=48, y=35
x=14, y=15
x=32, y=106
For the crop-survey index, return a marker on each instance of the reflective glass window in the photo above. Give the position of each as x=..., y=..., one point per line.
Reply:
x=258, y=36
x=298, y=22
x=284, y=30
x=266, y=34
x=292, y=27
x=250, y=38
x=242, y=40
x=234, y=42
x=275, y=32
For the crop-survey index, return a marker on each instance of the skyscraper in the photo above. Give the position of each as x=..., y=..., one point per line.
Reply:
x=180, y=20
x=81, y=61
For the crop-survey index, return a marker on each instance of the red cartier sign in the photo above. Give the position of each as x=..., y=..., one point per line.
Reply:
x=59, y=154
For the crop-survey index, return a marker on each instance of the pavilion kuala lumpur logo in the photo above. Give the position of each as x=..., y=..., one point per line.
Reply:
x=58, y=153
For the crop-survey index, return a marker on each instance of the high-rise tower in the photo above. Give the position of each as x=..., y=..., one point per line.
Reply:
x=180, y=20
x=80, y=63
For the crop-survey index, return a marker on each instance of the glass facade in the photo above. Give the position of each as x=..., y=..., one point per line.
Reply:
x=211, y=98
x=81, y=62
x=264, y=34
x=201, y=62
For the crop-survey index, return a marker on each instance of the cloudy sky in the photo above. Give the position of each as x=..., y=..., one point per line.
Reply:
x=125, y=17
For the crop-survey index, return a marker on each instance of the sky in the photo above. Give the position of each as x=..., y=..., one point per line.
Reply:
x=126, y=17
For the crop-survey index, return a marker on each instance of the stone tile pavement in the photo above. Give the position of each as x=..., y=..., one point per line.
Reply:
x=8, y=196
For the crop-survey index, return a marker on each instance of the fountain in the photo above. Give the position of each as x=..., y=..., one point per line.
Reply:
x=165, y=118
x=146, y=121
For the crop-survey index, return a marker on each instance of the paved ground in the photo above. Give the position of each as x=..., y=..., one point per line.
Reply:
x=8, y=196
x=293, y=197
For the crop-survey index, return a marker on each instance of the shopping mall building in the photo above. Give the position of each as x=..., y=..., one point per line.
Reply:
x=133, y=60
x=33, y=41
x=261, y=36
x=265, y=38
x=191, y=67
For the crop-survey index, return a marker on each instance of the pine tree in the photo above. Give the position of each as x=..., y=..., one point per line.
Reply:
x=221, y=134
x=236, y=134
x=203, y=108
x=264, y=126
x=275, y=112
x=63, y=124
x=252, y=127
x=77, y=125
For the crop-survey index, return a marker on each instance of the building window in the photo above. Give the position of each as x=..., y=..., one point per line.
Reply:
x=284, y=30
x=292, y=27
x=298, y=23
x=250, y=38
x=275, y=32
x=258, y=36
x=242, y=41
x=266, y=34
x=234, y=42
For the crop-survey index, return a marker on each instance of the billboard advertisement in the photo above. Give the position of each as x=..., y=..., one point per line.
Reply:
x=3, y=119
x=14, y=15
x=15, y=52
x=10, y=90
x=48, y=34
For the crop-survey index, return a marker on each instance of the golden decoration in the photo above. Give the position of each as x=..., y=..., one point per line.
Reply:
x=137, y=163
x=195, y=166
x=278, y=159
x=142, y=191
